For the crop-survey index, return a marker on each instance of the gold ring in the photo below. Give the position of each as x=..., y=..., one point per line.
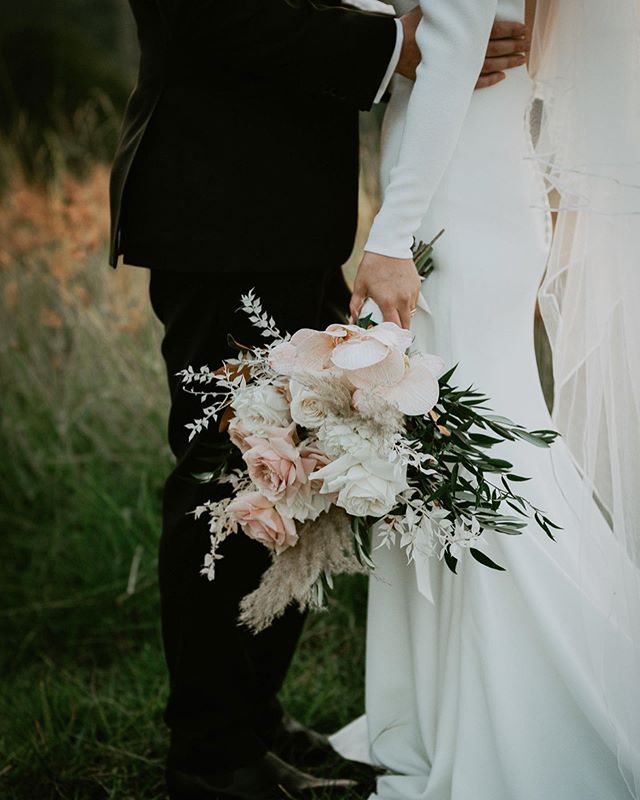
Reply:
x=412, y=312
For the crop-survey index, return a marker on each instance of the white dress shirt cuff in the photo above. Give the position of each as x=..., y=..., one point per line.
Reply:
x=392, y=64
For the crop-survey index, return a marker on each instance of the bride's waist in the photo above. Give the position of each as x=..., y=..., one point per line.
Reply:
x=512, y=94
x=516, y=81
x=501, y=107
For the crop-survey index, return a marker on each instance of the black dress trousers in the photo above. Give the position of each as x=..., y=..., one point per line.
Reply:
x=222, y=709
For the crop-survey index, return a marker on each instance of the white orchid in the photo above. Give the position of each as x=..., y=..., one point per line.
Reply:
x=373, y=360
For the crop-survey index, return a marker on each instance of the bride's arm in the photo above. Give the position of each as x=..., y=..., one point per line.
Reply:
x=453, y=39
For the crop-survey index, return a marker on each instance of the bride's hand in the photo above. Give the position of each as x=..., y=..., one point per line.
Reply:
x=393, y=283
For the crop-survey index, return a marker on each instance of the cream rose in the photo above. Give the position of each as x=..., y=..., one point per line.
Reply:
x=260, y=520
x=259, y=407
x=307, y=408
x=365, y=486
x=304, y=504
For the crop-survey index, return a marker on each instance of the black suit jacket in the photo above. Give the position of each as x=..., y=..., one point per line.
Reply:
x=239, y=145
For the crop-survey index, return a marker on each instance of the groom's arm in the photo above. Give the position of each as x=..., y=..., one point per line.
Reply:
x=288, y=44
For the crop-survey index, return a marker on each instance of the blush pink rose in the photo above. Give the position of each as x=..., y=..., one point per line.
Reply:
x=260, y=520
x=313, y=458
x=303, y=501
x=274, y=463
x=238, y=434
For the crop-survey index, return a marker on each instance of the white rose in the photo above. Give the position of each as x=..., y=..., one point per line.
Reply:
x=337, y=437
x=260, y=407
x=366, y=486
x=307, y=408
x=304, y=505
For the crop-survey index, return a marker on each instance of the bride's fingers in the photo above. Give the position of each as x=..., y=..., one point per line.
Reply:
x=390, y=314
x=355, y=306
x=405, y=317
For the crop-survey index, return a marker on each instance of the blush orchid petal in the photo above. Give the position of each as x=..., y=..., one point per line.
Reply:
x=282, y=358
x=357, y=353
x=433, y=363
x=387, y=372
x=392, y=335
x=302, y=335
x=417, y=392
x=313, y=350
x=339, y=331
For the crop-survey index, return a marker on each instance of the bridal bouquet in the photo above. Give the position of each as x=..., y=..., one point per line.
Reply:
x=332, y=431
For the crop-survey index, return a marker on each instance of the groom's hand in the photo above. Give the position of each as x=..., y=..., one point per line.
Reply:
x=508, y=46
x=410, y=52
x=393, y=283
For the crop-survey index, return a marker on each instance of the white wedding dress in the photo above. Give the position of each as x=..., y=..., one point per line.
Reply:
x=488, y=692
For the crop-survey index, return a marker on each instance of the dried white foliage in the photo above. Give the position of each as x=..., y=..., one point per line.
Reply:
x=331, y=390
x=380, y=414
x=252, y=306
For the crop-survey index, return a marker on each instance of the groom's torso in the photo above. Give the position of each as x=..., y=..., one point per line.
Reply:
x=232, y=171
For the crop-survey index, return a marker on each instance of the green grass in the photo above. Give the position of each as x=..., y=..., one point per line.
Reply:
x=82, y=677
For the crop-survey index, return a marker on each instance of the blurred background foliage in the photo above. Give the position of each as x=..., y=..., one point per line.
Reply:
x=64, y=79
x=83, y=438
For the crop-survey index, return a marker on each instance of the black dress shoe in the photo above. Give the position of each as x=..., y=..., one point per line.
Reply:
x=302, y=746
x=269, y=778
x=309, y=749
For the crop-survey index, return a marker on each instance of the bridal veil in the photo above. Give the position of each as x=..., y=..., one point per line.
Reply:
x=585, y=134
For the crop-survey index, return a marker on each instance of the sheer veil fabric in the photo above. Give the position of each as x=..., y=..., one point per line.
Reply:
x=585, y=136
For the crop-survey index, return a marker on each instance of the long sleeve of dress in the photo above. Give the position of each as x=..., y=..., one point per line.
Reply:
x=452, y=38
